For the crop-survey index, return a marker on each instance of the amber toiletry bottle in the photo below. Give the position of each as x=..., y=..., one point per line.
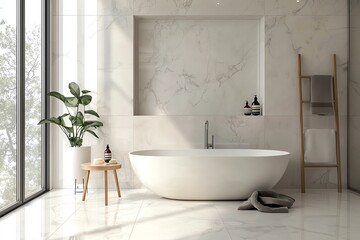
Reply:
x=247, y=109
x=107, y=154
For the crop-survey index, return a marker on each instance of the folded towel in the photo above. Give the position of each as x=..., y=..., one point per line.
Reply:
x=321, y=94
x=320, y=145
x=268, y=201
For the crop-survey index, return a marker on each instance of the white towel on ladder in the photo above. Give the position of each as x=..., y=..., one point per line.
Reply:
x=320, y=145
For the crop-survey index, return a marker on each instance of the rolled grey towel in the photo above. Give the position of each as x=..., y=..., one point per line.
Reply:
x=268, y=201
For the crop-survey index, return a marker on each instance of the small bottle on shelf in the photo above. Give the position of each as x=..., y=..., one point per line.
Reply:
x=107, y=154
x=247, y=109
x=255, y=107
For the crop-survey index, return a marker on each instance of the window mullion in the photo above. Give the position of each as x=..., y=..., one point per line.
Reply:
x=45, y=75
x=20, y=99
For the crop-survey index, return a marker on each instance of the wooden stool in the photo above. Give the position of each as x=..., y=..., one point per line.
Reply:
x=101, y=167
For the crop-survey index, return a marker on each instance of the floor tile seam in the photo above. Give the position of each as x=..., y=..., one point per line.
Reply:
x=223, y=223
x=76, y=209
x=67, y=219
x=136, y=219
x=318, y=232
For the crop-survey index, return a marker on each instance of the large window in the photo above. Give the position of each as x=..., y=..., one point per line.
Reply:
x=23, y=54
x=8, y=144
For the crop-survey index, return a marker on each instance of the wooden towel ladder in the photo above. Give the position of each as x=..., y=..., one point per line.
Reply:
x=337, y=164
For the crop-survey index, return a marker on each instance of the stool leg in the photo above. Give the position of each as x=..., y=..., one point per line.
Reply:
x=106, y=187
x=86, y=185
x=117, y=184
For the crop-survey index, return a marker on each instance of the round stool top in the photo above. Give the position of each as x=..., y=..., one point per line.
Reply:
x=100, y=167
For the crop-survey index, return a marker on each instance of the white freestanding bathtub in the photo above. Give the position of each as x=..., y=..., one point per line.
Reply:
x=209, y=174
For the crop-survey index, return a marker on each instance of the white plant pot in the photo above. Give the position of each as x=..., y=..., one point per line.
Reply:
x=74, y=156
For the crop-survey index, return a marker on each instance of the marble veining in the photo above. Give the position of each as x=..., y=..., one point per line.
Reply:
x=199, y=7
x=316, y=38
x=306, y=7
x=179, y=132
x=92, y=7
x=197, y=66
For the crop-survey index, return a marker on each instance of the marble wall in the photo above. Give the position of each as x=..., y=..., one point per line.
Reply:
x=94, y=43
x=196, y=66
x=354, y=96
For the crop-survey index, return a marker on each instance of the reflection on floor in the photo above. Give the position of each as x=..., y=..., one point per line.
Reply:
x=140, y=214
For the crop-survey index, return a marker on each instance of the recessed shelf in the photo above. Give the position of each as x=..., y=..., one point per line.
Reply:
x=197, y=66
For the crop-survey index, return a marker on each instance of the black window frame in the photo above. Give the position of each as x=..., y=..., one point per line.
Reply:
x=20, y=103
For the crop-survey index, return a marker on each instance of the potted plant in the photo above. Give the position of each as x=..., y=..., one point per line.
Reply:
x=74, y=124
x=79, y=125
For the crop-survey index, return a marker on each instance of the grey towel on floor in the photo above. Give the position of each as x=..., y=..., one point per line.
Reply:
x=268, y=201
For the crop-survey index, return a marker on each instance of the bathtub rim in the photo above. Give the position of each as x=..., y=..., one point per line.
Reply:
x=199, y=152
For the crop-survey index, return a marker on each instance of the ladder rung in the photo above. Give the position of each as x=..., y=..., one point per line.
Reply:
x=320, y=165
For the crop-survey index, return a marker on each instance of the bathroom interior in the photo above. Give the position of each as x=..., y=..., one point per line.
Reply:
x=175, y=75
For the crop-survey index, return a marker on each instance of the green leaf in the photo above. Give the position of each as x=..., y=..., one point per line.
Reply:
x=93, y=133
x=85, y=91
x=74, y=89
x=78, y=141
x=61, y=119
x=58, y=121
x=62, y=122
x=53, y=120
x=71, y=102
x=58, y=96
x=85, y=99
x=75, y=141
x=89, y=124
x=78, y=120
x=70, y=130
x=92, y=112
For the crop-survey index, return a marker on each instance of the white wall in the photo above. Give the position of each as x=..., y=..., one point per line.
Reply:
x=354, y=96
x=95, y=47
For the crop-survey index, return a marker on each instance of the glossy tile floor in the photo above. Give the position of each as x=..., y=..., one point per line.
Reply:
x=139, y=214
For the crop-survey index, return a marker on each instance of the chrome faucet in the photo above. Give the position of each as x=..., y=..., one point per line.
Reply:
x=208, y=145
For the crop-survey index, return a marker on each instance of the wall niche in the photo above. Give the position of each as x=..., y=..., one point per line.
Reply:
x=197, y=66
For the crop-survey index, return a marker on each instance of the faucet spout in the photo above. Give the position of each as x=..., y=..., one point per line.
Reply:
x=208, y=145
x=206, y=136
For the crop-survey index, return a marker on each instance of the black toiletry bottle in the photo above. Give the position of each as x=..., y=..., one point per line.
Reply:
x=107, y=154
x=247, y=109
x=255, y=107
